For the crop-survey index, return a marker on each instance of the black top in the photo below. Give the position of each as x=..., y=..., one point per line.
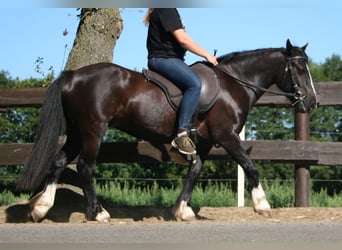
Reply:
x=160, y=41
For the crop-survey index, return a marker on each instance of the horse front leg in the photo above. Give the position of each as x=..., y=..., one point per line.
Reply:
x=181, y=210
x=260, y=203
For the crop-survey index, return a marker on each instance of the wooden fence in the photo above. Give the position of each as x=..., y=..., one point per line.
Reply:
x=301, y=152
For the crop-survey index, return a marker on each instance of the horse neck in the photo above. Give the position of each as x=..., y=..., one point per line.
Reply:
x=260, y=68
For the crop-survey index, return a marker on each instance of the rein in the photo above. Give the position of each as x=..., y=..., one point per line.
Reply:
x=297, y=94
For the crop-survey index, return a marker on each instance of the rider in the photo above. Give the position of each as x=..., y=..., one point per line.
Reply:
x=167, y=43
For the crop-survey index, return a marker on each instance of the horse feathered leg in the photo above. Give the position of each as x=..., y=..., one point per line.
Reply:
x=41, y=203
x=235, y=149
x=261, y=205
x=182, y=210
x=94, y=210
x=91, y=143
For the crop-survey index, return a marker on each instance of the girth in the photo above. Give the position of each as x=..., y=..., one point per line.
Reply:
x=209, y=90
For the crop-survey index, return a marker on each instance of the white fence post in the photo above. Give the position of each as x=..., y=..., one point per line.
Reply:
x=241, y=178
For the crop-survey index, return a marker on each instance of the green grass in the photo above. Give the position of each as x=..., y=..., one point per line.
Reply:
x=279, y=195
x=7, y=198
x=213, y=194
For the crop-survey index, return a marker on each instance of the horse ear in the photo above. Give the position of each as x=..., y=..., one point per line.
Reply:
x=304, y=47
x=288, y=45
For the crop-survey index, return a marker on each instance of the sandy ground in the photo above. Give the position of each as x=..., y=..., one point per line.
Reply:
x=69, y=208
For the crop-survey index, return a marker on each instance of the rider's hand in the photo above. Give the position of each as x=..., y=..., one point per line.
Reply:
x=212, y=59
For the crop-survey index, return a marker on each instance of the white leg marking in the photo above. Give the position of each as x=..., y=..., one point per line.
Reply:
x=103, y=216
x=42, y=202
x=183, y=212
x=261, y=205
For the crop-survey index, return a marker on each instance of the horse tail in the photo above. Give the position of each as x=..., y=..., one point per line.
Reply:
x=52, y=124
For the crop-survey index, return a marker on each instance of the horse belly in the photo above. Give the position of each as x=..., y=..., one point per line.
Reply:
x=147, y=116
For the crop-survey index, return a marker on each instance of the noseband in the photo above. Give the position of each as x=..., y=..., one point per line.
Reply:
x=297, y=95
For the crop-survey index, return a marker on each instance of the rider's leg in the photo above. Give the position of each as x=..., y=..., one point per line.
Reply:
x=177, y=71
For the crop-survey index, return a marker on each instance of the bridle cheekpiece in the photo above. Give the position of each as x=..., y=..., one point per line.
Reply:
x=297, y=95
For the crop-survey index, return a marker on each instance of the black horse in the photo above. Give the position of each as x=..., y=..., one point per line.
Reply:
x=81, y=104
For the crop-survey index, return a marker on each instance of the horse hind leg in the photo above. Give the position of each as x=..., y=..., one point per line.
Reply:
x=88, y=155
x=181, y=210
x=94, y=210
x=42, y=201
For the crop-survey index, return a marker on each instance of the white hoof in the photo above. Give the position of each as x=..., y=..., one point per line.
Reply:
x=42, y=202
x=183, y=212
x=103, y=216
x=261, y=205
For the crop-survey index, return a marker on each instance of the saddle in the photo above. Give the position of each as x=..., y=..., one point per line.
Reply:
x=209, y=90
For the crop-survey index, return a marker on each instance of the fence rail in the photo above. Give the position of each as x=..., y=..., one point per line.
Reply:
x=295, y=152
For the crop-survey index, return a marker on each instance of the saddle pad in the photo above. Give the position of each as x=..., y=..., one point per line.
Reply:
x=209, y=90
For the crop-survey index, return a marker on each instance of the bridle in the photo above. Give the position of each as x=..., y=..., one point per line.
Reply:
x=297, y=94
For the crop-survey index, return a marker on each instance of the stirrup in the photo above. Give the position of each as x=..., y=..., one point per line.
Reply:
x=180, y=158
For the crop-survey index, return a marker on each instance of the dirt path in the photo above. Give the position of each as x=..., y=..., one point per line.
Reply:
x=74, y=214
x=69, y=209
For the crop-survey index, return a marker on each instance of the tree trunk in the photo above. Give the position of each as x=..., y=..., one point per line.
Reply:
x=96, y=37
x=95, y=40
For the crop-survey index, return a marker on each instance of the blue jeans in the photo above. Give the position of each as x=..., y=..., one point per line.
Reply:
x=178, y=72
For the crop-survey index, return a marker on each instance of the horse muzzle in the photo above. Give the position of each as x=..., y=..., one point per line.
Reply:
x=304, y=103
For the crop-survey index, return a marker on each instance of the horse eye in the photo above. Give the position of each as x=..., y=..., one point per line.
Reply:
x=300, y=69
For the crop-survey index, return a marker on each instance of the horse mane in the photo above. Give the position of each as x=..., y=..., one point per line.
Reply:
x=238, y=56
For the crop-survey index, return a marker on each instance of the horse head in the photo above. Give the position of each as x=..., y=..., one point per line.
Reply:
x=297, y=79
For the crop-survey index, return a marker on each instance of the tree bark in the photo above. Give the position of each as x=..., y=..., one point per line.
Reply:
x=96, y=37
